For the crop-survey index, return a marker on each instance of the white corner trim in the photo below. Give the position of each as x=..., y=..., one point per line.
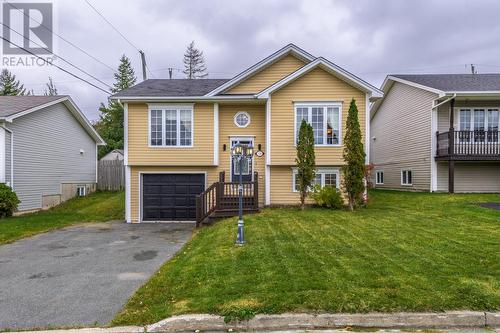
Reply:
x=127, y=195
x=125, y=133
x=2, y=155
x=329, y=66
x=96, y=163
x=216, y=134
x=434, y=120
x=367, y=129
x=290, y=48
x=268, y=131
x=268, y=186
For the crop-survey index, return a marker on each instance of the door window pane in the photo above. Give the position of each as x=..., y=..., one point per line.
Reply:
x=479, y=125
x=493, y=125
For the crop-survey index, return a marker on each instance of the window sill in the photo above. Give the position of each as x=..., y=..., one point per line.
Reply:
x=170, y=147
x=408, y=185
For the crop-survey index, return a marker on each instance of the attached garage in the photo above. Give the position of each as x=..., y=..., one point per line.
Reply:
x=171, y=196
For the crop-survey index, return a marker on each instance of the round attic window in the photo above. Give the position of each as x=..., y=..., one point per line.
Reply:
x=242, y=119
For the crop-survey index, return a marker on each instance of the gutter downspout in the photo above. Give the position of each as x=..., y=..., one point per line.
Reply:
x=434, y=109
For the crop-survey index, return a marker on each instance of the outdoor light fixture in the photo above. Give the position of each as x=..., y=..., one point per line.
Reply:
x=241, y=154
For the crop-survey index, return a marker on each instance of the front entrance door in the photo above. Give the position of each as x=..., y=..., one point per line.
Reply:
x=247, y=173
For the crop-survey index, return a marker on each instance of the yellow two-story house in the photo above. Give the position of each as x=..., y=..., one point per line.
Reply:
x=179, y=133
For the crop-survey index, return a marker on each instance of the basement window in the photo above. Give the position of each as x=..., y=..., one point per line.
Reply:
x=406, y=178
x=379, y=178
x=81, y=191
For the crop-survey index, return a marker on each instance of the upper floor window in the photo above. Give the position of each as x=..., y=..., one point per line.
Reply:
x=473, y=122
x=242, y=119
x=325, y=120
x=171, y=126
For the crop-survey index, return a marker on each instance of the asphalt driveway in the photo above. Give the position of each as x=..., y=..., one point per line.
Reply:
x=82, y=275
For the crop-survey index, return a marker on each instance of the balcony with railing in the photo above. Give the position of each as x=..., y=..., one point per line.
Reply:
x=468, y=145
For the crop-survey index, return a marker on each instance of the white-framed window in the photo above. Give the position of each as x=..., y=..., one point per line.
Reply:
x=323, y=177
x=242, y=119
x=477, y=121
x=171, y=126
x=406, y=177
x=81, y=190
x=325, y=119
x=379, y=177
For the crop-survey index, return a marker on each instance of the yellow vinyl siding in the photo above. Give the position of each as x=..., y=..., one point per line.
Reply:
x=139, y=152
x=315, y=86
x=256, y=129
x=135, y=191
x=268, y=76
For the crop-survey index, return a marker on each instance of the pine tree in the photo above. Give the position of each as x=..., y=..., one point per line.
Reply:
x=194, y=63
x=110, y=124
x=354, y=156
x=51, y=88
x=305, y=160
x=9, y=85
x=125, y=77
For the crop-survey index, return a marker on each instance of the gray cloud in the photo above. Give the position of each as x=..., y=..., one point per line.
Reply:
x=368, y=38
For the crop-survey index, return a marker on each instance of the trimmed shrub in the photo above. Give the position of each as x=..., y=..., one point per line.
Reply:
x=8, y=201
x=327, y=197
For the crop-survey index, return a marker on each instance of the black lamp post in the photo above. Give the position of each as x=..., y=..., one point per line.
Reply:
x=240, y=155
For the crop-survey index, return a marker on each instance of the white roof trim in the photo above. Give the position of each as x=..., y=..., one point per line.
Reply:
x=77, y=113
x=387, y=84
x=332, y=68
x=290, y=48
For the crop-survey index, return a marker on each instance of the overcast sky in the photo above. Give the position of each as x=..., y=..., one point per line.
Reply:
x=368, y=38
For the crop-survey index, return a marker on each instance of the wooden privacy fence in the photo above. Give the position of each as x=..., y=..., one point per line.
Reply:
x=111, y=175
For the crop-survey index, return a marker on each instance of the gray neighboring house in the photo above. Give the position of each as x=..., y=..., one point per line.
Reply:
x=437, y=132
x=115, y=154
x=48, y=150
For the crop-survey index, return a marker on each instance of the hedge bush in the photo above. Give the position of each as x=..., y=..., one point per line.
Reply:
x=8, y=201
x=328, y=197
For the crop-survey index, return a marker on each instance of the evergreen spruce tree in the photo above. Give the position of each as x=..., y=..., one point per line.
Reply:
x=354, y=155
x=9, y=85
x=305, y=160
x=110, y=124
x=125, y=76
x=51, y=88
x=194, y=63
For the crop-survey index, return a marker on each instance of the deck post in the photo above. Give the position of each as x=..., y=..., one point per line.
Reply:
x=451, y=176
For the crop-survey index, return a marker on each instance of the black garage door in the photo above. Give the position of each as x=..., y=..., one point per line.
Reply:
x=167, y=197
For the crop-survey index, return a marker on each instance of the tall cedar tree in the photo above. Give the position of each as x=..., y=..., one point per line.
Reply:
x=354, y=156
x=9, y=86
x=305, y=160
x=51, y=88
x=194, y=63
x=110, y=124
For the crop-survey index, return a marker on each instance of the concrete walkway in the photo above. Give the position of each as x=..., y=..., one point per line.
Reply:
x=82, y=275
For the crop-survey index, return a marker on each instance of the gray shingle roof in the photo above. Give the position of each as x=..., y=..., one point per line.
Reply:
x=456, y=82
x=172, y=88
x=10, y=105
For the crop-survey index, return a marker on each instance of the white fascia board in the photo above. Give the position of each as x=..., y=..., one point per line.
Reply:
x=492, y=93
x=72, y=107
x=183, y=98
x=329, y=66
x=413, y=84
x=290, y=48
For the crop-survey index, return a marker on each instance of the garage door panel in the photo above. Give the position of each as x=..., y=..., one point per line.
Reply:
x=171, y=196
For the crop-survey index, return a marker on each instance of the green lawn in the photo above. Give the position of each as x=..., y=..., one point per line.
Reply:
x=100, y=206
x=405, y=252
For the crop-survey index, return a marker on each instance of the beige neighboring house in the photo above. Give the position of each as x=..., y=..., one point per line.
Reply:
x=179, y=135
x=114, y=155
x=437, y=132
